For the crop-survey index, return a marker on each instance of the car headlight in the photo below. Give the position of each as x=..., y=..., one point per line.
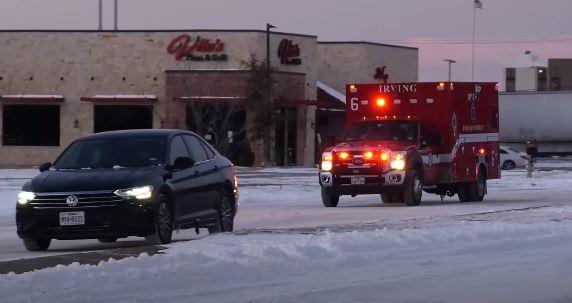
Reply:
x=25, y=196
x=139, y=193
x=397, y=160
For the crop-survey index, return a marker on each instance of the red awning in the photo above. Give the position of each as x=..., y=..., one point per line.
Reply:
x=279, y=103
x=120, y=98
x=318, y=103
x=31, y=98
x=208, y=99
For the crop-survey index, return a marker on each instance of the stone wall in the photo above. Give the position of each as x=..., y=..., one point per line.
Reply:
x=79, y=64
x=342, y=63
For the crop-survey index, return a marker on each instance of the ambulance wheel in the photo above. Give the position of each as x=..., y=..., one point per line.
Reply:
x=386, y=198
x=329, y=199
x=478, y=189
x=462, y=192
x=413, y=189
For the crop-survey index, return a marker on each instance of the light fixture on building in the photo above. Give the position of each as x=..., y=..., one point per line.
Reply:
x=75, y=123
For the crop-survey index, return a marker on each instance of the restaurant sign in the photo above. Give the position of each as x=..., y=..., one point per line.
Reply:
x=289, y=53
x=184, y=47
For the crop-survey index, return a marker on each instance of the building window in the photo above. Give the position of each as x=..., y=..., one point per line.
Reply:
x=31, y=125
x=119, y=117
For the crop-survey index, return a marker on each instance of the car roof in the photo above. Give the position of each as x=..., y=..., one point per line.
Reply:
x=136, y=133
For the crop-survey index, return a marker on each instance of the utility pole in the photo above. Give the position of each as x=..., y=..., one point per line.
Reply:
x=450, y=61
x=100, y=16
x=115, y=15
x=268, y=90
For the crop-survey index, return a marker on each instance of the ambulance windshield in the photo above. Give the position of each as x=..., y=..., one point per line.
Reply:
x=383, y=130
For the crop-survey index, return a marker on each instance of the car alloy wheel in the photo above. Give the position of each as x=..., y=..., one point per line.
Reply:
x=164, y=224
x=226, y=215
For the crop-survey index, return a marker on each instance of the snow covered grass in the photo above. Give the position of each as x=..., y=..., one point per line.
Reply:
x=467, y=262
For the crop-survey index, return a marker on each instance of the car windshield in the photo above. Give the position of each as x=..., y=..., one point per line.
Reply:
x=383, y=130
x=113, y=153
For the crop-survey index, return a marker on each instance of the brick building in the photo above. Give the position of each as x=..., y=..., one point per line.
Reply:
x=56, y=86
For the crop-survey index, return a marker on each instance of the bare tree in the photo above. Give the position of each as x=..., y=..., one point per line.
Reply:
x=221, y=122
x=233, y=125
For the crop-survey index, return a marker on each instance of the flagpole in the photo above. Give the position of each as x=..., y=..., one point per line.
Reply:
x=473, y=54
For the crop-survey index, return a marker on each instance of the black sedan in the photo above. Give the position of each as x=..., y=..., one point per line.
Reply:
x=128, y=183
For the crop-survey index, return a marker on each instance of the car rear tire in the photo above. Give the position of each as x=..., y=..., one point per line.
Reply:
x=107, y=240
x=508, y=165
x=163, y=222
x=413, y=189
x=329, y=199
x=37, y=244
x=225, y=217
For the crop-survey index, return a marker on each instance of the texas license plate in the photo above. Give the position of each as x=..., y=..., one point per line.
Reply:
x=72, y=218
x=358, y=180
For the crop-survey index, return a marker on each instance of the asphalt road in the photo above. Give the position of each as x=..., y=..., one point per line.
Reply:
x=283, y=213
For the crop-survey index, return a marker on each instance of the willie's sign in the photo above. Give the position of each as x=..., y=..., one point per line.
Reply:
x=289, y=53
x=184, y=47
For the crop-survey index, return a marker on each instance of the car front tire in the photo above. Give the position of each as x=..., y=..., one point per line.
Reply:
x=37, y=244
x=163, y=222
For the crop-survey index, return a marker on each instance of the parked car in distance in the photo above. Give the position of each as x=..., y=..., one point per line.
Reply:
x=511, y=159
x=128, y=183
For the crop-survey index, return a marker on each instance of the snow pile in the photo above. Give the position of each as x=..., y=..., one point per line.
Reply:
x=541, y=180
x=469, y=262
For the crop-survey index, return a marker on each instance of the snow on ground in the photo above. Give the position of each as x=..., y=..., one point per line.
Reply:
x=462, y=262
x=507, y=250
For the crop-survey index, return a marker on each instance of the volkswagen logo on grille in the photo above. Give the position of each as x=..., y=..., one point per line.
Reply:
x=72, y=200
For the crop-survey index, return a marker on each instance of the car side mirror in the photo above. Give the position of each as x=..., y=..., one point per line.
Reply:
x=45, y=167
x=183, y=163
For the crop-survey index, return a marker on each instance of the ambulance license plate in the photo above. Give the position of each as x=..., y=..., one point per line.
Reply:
x=358, y=180
x=72, y=218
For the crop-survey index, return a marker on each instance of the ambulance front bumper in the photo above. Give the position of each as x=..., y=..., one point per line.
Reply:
x=340, y=181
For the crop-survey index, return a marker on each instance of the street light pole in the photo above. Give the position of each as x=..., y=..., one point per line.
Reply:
x=268, y=89
x=450, y=61
x=100, y=18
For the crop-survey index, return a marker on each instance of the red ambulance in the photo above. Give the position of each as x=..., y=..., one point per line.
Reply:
x=406, y=138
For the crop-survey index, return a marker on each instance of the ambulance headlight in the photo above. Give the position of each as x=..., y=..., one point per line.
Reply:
x=327, y=163
x=397, y=160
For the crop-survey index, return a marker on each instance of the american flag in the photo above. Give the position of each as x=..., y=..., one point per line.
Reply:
x=478, y=4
